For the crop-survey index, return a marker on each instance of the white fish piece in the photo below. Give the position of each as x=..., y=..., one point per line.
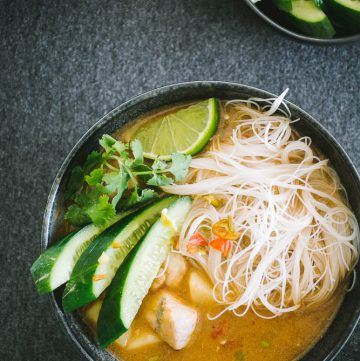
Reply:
x=174, y=321
x=176, y=269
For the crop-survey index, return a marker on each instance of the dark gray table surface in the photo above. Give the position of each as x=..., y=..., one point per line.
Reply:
x=65, y=64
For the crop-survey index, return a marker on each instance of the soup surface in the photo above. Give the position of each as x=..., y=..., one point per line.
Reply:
x=247, y=338
x=228, y=337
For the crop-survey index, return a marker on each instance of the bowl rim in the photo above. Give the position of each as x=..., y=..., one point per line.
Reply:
x=299, y=36
x=154, y=93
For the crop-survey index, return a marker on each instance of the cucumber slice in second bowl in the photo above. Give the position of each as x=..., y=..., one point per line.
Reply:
x=97, y=266
x=345, y=12
x=135, y=276
x=310, y=20
x=285, y=5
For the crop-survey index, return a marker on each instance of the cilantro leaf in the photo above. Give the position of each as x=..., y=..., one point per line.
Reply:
x=179, y=166
x=94, y=177
x=137, y=150
x=90, y=206
x=116, y=182
x=135, y=197
x=93, y=160
x=159, y=180
x=104, y=180
x=144, y=170
x=111, y=146
x=87, y=197
x=107, y=142
x=77, y=216
x=75, y=182
x=101, y=212
x=121, y=148
x=159, y=164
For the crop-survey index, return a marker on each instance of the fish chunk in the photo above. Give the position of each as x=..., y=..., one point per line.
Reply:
x=174, y=321
x=176, y=269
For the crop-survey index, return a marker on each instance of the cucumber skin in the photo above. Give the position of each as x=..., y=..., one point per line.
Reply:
x=284, y=5
x=323, y=29
x=107, y=332
x=320, y=4
x=110, y=325
x=41, y=268
x=348, y=18
x=81, y=279
x=79, y=289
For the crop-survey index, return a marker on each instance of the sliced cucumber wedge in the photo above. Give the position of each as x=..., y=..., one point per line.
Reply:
x=310, y=20
x=320, y=4
x=285, y=5
x=97, y=266
x=345, y=12
x=54, y=266
x=134, y=278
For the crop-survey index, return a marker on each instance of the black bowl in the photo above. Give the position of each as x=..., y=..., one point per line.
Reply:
x=268, y=12
x=345, y=321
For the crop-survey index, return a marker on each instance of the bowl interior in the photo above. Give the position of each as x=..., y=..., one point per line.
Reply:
x=268, y=12
x=347, y=317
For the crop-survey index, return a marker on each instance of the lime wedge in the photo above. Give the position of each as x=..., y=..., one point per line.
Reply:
x=186, y=131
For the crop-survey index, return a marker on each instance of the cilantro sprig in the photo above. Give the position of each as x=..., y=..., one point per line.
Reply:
x=117, y=177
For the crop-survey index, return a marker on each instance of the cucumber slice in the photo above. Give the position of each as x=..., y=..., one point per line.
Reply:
x=285, y=5
x=98, y=264
x=134, y=278
x=320, y=4
x=345, y=12
x=54, y=266
x=310, y=20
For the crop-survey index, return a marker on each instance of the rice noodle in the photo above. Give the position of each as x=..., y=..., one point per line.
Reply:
x=298, y=238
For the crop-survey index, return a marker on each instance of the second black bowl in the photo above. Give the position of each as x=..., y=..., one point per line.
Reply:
x=268, y=12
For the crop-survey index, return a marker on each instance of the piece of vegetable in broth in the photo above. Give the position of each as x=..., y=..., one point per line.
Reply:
x=225, y=229
x=98, y=264
x=55, y=264
x=136, y=275
x=222, y=245
x=176, y=267
x=201, y=291
x=196, y=242
x=239, y=356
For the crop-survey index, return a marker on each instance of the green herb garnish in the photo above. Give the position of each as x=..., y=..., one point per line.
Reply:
x=154, y=358
x=117, y=173
x=239, y=356
x=264, y=343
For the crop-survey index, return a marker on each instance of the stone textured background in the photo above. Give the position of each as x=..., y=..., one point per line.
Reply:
x=65, y=64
